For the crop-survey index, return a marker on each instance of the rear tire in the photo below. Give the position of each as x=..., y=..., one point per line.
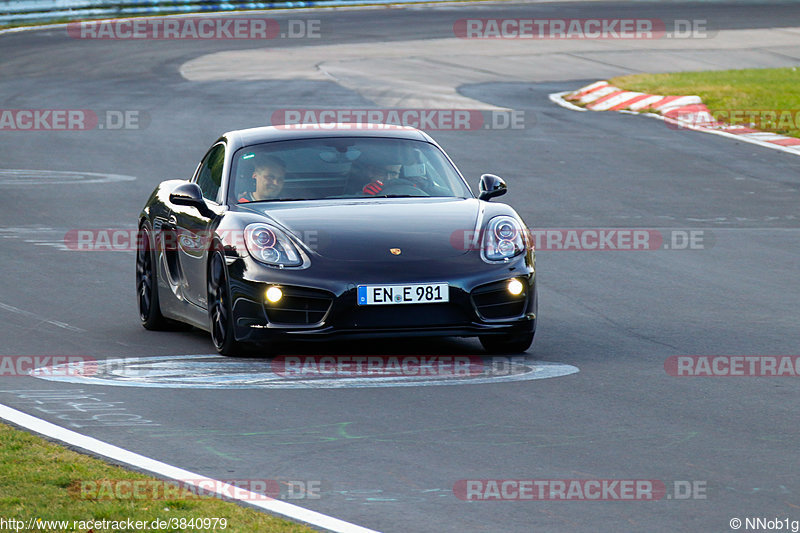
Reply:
x=505, y=344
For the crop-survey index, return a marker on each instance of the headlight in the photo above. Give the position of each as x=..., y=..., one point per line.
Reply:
x=503, y=239
x=271, y=246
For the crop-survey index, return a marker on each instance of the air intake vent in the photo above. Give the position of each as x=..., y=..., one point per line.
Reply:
x=299, y=306
x=493, y=301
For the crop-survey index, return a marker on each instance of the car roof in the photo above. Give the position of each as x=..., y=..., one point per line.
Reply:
x=239, y=138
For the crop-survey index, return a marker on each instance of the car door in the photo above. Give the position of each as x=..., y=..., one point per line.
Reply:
x=193, y=233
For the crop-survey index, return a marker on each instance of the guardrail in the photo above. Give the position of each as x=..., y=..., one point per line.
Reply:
x=39, y=11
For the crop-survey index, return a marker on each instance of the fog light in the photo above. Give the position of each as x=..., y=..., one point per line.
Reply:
x=515, y=287
x=274, y=294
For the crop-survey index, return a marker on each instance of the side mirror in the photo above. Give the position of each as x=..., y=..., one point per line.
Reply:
x=187, y=194
x=190, y=194
x=491, y=186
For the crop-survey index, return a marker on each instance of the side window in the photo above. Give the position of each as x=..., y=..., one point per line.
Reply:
x=209, y=178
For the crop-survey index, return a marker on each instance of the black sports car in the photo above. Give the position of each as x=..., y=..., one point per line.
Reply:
x=316, y=233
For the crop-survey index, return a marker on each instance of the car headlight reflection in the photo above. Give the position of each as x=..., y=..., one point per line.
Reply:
x=503, y=239
x=271, y=246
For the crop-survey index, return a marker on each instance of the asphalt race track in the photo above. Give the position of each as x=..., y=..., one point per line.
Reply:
x=389, y=457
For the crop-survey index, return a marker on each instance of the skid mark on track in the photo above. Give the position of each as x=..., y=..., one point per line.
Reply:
x=41, y=320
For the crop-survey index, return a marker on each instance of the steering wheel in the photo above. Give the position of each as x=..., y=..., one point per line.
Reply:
x=402, y=186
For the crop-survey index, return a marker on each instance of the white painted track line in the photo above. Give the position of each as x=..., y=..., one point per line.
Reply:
x=164, y=470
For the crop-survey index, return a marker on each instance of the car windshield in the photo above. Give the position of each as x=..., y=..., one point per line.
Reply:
x=311, y=169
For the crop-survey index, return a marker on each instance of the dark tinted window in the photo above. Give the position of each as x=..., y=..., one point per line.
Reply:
x=209, y=178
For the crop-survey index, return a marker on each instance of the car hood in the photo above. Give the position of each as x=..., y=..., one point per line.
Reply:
x=367, y=230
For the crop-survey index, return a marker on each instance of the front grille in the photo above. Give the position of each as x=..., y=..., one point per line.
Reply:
x=403, y=316
x=493, y=301
x=299, y=306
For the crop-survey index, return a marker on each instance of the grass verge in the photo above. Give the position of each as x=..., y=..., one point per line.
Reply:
x=42, y=480
x=767, y=99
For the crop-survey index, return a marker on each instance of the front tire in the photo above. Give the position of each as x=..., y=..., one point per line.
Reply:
x=147, y=285
x=220, y=310
x=506, y=344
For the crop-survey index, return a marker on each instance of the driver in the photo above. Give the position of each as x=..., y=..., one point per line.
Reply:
x=412, y=176
x=269, y=172
x=380, y=176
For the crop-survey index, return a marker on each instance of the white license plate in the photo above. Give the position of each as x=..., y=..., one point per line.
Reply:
x=416, y=293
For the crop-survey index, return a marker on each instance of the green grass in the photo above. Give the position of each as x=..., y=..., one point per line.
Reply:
x=39, y=479
x=724, y=91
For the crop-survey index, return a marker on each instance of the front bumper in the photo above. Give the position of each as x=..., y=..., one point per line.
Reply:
x=320, y=302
